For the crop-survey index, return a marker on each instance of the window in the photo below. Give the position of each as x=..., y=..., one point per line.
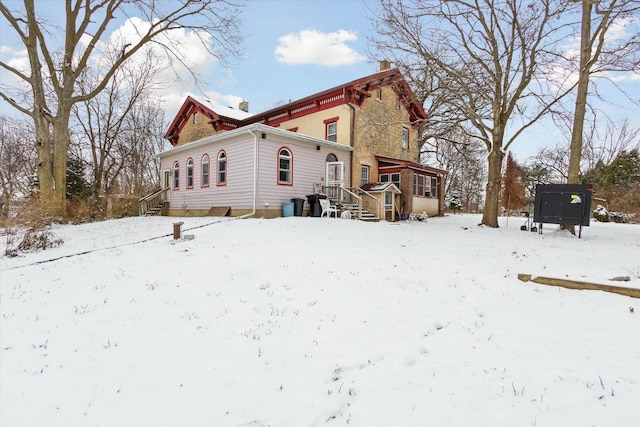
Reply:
x=393, y=177
x=190, y=173
x=195, y=117
x=204, y=179
x=176, y=176
x=418, y=185
x=379, y=93
x=331, y=129
x=364, y=174
x=332, y=158
x=424, y=186
x=405, y=138
x=222, y=168
x=284, y=166
x=398, y=103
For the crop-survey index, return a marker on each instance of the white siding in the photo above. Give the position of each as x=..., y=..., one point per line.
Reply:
x=308, y=168
x=238, y=190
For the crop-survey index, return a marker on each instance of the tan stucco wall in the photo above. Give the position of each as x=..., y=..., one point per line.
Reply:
x=426, y=204
x=313, y=124
x=378, y=130
x=194, y=131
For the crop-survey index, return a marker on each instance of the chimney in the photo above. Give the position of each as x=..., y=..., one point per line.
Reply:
x=385, y=65
x=244, y=106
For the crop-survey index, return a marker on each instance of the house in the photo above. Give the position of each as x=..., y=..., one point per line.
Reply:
x=338, y=142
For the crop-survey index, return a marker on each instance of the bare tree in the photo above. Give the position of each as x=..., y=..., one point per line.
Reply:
x=600, y=53
x=17, y=161
x=604, y=140
x=463, y=157
x=485, y=62
x=107, y=135
x=52, y=75
x=141, y=173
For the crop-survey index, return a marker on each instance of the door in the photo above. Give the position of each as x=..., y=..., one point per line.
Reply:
x=335, y=178
x=166, y=184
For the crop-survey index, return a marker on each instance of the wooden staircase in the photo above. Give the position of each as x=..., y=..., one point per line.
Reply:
x=356, y=213
x=155, y=211
x=154, y=203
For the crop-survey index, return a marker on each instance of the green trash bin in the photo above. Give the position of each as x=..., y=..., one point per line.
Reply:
x=287, y=209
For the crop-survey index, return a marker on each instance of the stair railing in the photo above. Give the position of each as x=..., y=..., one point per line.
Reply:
x=369, y=202
x=152, y=201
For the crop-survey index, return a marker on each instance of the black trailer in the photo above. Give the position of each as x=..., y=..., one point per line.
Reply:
x=564, y=204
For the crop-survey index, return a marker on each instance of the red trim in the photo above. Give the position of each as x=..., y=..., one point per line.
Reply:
x=290, y=183
x=190, y=187
x=201, y=170
x=355, y=92
x=295, y=129
x=326, y=127
x=226, y=169
x=384, y=162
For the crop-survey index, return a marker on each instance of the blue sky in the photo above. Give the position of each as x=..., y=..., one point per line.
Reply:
x=328, y=37
x=294, y=48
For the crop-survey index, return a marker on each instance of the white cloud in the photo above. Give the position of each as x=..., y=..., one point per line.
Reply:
x=315, y=47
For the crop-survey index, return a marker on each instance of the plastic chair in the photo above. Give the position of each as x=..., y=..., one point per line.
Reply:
x=327, y=208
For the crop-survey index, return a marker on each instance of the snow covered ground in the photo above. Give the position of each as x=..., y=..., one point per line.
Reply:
x=312, y=322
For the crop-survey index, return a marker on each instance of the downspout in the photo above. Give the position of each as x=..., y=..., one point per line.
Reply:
x=255, y=174
x=351, y=137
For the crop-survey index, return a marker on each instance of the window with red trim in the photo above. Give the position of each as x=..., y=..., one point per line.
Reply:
x=190, y=173
x=331, y=129
x=176, y=176
x=222, y=168
x=204, y=178
x=285, y=160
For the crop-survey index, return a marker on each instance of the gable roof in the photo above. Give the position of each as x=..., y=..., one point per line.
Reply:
x=381, y=186
x=354, y=92
x=219, y=117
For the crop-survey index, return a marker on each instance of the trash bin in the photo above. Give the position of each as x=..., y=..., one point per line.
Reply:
x=298, y=205
x=287, y=209
x=314, y=204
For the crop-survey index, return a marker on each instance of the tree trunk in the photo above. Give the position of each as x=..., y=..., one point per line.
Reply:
x=490, y=213
x=575, y=156
x=44, y=163
x=61, y=149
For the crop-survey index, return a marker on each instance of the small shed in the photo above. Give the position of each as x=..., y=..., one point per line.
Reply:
x=389, y=197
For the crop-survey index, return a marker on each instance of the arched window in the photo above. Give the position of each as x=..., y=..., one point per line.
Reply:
x=190, y=173
x=176, y=176
x=331, y=158
x=222, y=168
x=204, y=179
x=284, y=167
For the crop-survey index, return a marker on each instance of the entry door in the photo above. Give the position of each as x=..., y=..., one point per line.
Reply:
x=335, y=178
x=166, y=184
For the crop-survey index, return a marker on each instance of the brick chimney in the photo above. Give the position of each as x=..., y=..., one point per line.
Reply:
x=385, y=65
x=244, y=106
